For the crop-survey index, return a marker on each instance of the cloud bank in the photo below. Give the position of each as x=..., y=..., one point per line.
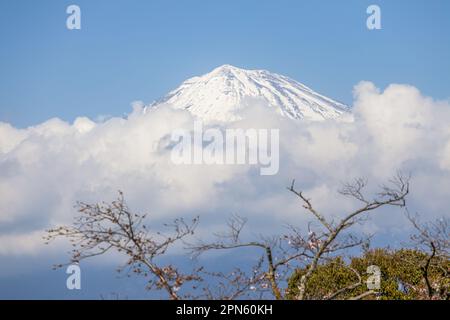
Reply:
x=45, y=169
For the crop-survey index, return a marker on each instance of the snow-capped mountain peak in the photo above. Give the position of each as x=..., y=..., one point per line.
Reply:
x=220, y=94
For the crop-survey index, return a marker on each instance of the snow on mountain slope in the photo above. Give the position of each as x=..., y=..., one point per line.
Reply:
x=218, y=95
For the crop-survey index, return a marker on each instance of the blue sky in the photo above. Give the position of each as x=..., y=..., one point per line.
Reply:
x=139, y=50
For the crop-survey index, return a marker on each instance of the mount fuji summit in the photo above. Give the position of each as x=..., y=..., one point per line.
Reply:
x=222, y=93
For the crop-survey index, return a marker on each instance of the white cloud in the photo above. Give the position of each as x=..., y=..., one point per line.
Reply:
x=45, y=169
x=27, y=243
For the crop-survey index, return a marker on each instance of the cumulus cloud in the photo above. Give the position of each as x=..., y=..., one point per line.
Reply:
x=45, y=169
x=28, y=243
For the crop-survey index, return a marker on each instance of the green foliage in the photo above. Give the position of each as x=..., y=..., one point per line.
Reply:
x=402, y=276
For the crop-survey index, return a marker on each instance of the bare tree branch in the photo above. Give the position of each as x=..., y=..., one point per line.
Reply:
x=434, y=239
x=363, y=295
x=103, y=227
x=393, y=195
x=347, y=288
